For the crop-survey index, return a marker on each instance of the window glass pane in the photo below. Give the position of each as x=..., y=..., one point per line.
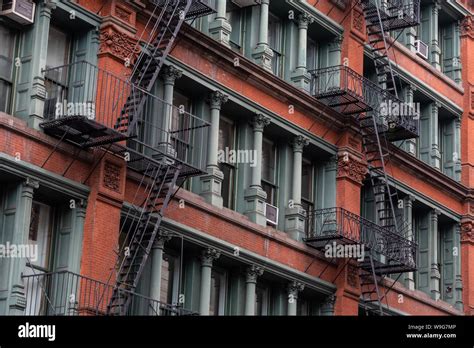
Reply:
x=216, y=306
x=169, y=267
x=307, y=181
x=226, y=135
x=58, y=48
x=40, y=233
x=5, y=93
x=274, y=33
x=234, y=18
x=227, y=185
x=6, y=52
x=312, y=55
x=268, y=162
x=270, y=190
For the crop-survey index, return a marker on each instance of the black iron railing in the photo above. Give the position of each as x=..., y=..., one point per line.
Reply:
x=67, y=293
x=198, y=8
x=394, y=14
x=349, y=93
x=342, y=226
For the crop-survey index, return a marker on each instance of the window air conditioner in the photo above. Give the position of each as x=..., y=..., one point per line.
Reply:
x=271, y=212
x=21, y=11
x=421, y=49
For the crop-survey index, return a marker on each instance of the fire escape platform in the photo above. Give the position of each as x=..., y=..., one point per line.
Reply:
x=199, y=8
x=82, y=131
x=394, y=16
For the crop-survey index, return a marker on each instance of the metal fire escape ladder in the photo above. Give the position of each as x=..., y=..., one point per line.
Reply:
x=150, y=62
x=164, y=178
x=369, y=284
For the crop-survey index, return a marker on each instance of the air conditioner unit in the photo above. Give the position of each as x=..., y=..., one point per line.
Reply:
x=421, y=49
x=271, y=212
x=21, y=11
x=245, y=3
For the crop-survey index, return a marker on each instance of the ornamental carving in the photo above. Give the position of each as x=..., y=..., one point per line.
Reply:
x=252, y=273
x=349, y=167
x=357, y=20
x=123, y=14
x=467, y=231
x=467, y=26
x=208, y=256
x=111, y=178
x=119, y=45
x=260, y=121
x=352, y=275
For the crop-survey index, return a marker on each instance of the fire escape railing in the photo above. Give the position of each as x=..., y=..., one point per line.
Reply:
x=338, y=225
x=71, y=294
x=350, y=93
x=86, y=102
x=395, y=14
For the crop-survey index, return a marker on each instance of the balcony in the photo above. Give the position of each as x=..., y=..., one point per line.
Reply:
x=89, y=107
x=392, y=253
x=349, y=93
x=66, y=293
x=394, y=14
x=199, y=8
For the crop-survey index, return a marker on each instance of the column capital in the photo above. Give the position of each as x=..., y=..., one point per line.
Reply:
x=50, y=4
x=304, y=20
x=208, y=256
x=30, y=184
x=435, y=213
x=329, y=301
x=217, y=98
x=294, y=288
x=435, y=106
x=264, y=2
x=170, y=74
x=162, y=237
x=259, y=122
x=252, y=273
x=299, y=142
x=409, y=199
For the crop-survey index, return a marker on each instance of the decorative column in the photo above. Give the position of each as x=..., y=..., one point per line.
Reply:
x=39, y=39
x=467, y=269
x=156, y=268
x=408, y=205
x=220, y=28
x=300, y=76
x=327, y=307
x=435, y=58
x=410, y=144
x=435, y=276
x=211, y=184
x=207, y=258
x=295, y=214
x=457, y=71
x=255, y=197
x=458, y=284
x=17, y=299
x=457, y=149
x=263, y=54
x=435, y=155
x=294, y=288
x=410, y=37
x=169, y=75
x=252, y=273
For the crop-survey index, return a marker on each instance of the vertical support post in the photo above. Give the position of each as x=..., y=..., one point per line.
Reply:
x=300, y=76
x=252, y=273
x=156, y=268
x=294, y=288
x=220, y=29
x=458, y=283
x=169, y=74
x=435, y=276
x=263, y=54
x=255, y=197
x=435, y=49
x=207, y=258
x=295, y=214
x=408, y=203
x=435, y=154
x=327, y=307
x=211, y=184
x=457, y=149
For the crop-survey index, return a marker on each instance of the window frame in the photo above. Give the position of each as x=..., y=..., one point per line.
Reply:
x=273, y=200
x=230, y=204
x=10, y=84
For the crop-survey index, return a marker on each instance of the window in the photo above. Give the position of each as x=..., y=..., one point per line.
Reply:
x=226, y=141
x=180, y=125
x=169, y=279
x=7, y=49
x=218, y=292
x=261, y=301
x=269, y=171
x=59, y=46
x=275, y=38
x=234, y=16
x=307, y=182
x=40, y=238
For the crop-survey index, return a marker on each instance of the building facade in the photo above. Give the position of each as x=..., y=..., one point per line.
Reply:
x=265, y=160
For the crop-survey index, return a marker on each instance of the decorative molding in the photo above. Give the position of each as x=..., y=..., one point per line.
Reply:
x=170, y=74
x=217, y=98
x=118, y=44
x=208, y=256
x=350, y=167
x=467, y=26
x=252, y=273
x=467, y=231
x=123, y=14
x=111, y=178
x=294, y=288
x=358, y=20
x=162, y=237
x=352, y=275
x=260, y=121
x=299, y=142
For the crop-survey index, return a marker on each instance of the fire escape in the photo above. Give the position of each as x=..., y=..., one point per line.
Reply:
x=388, y=250
x=92, y=108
